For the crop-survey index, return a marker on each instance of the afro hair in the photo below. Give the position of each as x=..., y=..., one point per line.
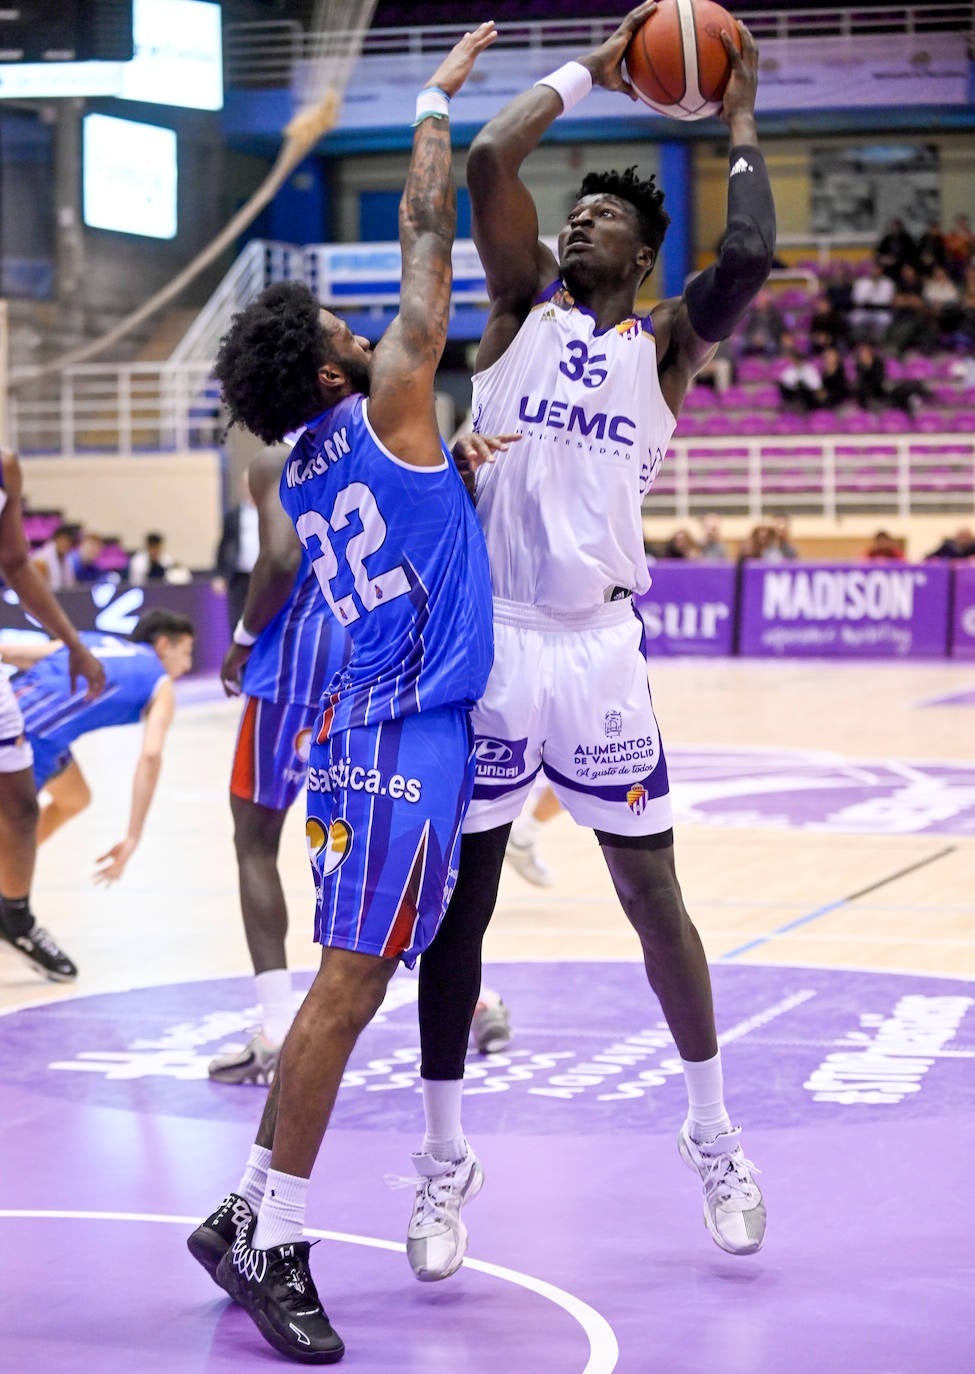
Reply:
x=268, y=362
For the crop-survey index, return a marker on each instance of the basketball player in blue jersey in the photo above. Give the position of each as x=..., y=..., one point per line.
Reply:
x=286, y=649
x=139, y=674
x=18, y=794
x=399, y=554
x=594, y=389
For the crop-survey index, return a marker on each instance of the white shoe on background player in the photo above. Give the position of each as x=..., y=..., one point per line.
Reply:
x=491, y=1026
x=524, y=859
x=734, y=1209
x=257, y=1062
x=436, y=1240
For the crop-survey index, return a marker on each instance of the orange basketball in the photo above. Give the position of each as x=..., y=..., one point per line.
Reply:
x=676, y=61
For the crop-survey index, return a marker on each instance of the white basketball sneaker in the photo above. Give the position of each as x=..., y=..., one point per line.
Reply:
x=491, y=1026
x=524, y=859
x=436, y=1240
x=257, y=1062
x=734, y=1209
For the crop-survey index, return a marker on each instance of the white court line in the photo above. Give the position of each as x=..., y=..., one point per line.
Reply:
x=604, y=1351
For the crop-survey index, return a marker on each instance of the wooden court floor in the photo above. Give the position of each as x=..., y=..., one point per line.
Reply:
x=891, y=888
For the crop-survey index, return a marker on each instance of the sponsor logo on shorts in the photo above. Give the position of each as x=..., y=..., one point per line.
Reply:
x=636, y=799
x=302, y=744
x=344, y=774
x=499, y=758
x=612, y=723
x=328, y=845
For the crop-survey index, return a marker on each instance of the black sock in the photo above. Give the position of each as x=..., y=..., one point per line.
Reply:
x=16, y=916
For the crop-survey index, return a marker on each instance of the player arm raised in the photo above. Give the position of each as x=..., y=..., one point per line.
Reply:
x=401, y=404
x=33, y=591
x=158, y=719
x=504, y=219
x=273, y=574
x=689, y=328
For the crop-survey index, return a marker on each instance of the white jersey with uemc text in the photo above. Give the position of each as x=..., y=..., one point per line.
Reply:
x=561, y=509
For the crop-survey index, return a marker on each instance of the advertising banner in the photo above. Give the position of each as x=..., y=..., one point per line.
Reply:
x=689, y=609
x=796, y=74
x=844, y=610
x=115, y=608
x=963, y=619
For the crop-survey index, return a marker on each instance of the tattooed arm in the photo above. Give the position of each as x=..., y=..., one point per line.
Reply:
x=401, y=404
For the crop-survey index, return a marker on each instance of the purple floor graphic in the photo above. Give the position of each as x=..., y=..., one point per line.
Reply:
x=588, y=1252
x=812, y=790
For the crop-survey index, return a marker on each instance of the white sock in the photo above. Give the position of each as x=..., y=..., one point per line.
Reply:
x=444, y=1137
x=281, y=1220
x=254, y=1180
x=706, y=1111
x=277, y=1003
x=525, y=831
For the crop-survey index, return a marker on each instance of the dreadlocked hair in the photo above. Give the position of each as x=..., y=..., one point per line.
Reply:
x=268, y=362
x=645, y=197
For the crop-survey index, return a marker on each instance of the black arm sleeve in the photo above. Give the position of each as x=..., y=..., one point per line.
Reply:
x=718, y=297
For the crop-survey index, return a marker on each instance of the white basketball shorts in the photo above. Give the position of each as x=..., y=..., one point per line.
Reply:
x=15, y=752
x=568, y=694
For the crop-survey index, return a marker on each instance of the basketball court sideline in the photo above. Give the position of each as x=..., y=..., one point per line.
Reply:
x=826, y=847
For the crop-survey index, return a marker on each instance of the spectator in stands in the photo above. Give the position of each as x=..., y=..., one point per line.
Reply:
x=896, y=250
x=839, y=289
x=84, y=559
x=828, y=326
x=884, y=546
x=942, y=297
x=151, y=563
x=959, y=545
x=53, y=559
x=780, y=548
x=763, y=327
x=911, y=325
x=959, y=246
x=873, y=297
x=800, y=382
x=835, y=383
x=754, y=545
x=931, y=252
x=966, y=328
x=712, y=548
x=871, y=377
x=680, y=545
x=237, y=552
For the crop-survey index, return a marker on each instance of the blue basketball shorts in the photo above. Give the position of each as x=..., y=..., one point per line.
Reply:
x=49, y=759
x=271, y=755
x=568, y=695
x=385, y=808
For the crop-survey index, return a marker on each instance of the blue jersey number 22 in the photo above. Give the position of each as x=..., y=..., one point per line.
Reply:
x=372, y=588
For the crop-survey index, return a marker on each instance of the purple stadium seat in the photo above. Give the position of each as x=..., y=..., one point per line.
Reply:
x=785, y=423
x=735, y=398
x=766, y=396
x=962, y=421
x=929, y=421
x=699, y=398
x=894, y=422
x=919, y=369
x=860, y=422
x=753, y=369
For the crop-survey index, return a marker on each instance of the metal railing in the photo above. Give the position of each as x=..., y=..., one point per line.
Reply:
x=118, y=409
x=265, y=52
x=829, y=475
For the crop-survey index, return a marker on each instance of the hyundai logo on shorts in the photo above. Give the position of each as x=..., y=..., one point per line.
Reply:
x=499, y=758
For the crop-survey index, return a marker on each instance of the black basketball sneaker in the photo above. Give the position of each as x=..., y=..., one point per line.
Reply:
x=41, y=951
x=213, y=1238
x=276, y=1289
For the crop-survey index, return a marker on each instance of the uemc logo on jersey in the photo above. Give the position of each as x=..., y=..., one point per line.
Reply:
x=597, y=424
x=333, y=448
x=499, y=758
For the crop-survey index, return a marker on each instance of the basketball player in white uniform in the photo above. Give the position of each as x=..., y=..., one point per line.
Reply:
x=594, y=390
x=18, y=795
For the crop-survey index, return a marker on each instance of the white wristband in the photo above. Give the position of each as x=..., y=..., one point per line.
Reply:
x=573, y=82
x=243, y=636
x=432, y=103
